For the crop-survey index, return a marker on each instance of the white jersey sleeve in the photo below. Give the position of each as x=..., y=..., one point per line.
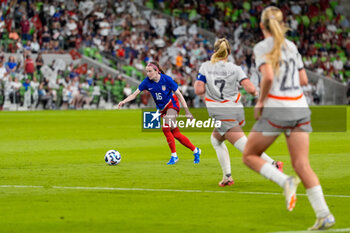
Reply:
x=240, y=74
x=299, y=61
x=260, y=51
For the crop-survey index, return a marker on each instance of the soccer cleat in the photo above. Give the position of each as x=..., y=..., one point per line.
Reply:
x=323, y=223
x=197, y=155
x=290, y=189
x=226, y=181
x=279, y=165
x=173, y=160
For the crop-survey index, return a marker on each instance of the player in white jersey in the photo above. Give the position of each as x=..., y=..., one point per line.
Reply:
x=218, y=79
x=282, y=108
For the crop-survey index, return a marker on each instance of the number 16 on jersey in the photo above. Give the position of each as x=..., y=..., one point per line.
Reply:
x=159, y=96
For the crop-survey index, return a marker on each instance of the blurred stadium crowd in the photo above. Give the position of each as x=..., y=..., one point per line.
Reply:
x=127, y=35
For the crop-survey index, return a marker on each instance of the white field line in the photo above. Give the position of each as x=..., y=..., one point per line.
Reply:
x=155, y=190
x=330, y=230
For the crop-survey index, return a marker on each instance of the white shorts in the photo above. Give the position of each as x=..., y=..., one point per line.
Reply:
x=230, y=114
x=227, y=125
x=271, y=127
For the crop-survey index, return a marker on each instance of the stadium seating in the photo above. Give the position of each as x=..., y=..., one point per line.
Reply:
x=126, y=41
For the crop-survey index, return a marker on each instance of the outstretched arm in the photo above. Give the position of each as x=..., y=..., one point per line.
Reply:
x=184, y=104
x=129, y=98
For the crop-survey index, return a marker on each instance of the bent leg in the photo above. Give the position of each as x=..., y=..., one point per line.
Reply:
x=183, y=139
x=238, y=139
x=257, y=143
x=170, y=118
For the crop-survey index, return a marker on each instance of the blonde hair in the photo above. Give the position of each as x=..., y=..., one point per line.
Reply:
x=272, y=19
x=221, y=50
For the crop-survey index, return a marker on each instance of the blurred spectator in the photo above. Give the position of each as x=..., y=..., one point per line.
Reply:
x=3, y=71
x=108, y=79
x=46, y=38
x=179, y=60
x=25, y=26
x=34, y=84
x=127, y=91
x=45, y=95
x=34, y=45
x=14, y=94
x=29, y=67
x=39, y=62
x=11, y=65
x=338, y=64
x=67, y=96
x=86, y=94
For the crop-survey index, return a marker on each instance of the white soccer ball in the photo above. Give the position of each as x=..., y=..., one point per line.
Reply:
x=113, y=157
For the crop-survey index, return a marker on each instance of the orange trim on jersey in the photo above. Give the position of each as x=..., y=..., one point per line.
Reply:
x=238, y=96
x=210, y=100
x=285, y=97
x=240, y=123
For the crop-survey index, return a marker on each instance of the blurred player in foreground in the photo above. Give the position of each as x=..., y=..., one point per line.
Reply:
x=282, y=107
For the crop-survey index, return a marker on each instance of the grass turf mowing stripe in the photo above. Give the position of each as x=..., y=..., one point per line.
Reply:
x=329, y=230
x=157, y=190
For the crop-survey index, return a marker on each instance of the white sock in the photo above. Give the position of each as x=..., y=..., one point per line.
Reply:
x=223, y=155
x=318, y=203
x=267, y=158
x=272, y=173
x=195, y=150
x=240, y=144
x=174, y=154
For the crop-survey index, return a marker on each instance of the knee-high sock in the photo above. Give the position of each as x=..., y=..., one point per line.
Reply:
x=169, y=138
x=317, y=201
x=183, y=139
x=272, y=173
x=240, y=144
x=223, y=155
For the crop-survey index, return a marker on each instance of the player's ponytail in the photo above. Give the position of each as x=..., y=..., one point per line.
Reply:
x=272, y=19
x=156, y=67
x=222, y=49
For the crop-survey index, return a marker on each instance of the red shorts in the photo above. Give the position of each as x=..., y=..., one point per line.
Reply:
x=171, y=105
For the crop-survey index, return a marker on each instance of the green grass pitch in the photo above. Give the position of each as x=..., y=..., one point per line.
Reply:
x=48, y=151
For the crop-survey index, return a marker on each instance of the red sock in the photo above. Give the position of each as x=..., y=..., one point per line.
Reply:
x=183, y=139
x=169, y=138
